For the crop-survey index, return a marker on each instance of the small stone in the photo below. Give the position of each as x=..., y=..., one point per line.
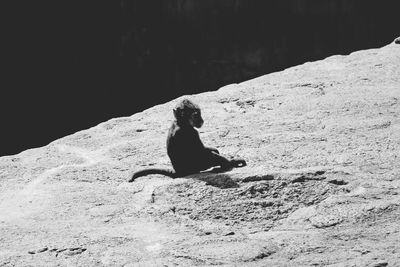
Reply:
x=42, y=250
x=75, y=251
x=365, y=252
x=230, y=233
x=337, y=182
x=38, y=251
x=380, y=264
x=397, y=40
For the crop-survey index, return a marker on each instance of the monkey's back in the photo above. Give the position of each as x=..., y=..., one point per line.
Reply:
x=184, y=148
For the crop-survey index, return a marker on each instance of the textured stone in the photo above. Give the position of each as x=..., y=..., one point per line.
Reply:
x=321, y=186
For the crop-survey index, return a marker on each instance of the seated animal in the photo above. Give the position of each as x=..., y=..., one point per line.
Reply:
x=187, y=153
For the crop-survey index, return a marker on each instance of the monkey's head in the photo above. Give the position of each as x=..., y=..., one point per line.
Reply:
x=188, y=113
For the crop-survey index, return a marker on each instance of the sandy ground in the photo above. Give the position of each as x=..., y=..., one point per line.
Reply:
x=322, y=184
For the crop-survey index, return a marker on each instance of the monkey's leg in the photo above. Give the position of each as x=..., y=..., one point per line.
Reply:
x=212, y=159
x=227, y=164
x=218, y=160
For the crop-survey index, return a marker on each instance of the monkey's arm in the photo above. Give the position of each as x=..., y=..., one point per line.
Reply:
x=191, y=141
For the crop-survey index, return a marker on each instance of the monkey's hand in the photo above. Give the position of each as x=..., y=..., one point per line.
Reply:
x=238, y=163
x=211, y=149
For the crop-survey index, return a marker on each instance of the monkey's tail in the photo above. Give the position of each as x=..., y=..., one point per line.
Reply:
x=167, y=172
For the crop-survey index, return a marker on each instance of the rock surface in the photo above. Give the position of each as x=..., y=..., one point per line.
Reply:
x=322, y=185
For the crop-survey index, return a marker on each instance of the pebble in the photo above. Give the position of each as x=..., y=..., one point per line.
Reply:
x=230, y=233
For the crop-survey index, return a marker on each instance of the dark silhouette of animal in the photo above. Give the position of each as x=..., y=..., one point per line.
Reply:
x=187, y=153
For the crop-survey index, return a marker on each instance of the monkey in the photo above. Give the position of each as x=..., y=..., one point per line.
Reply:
x=185, y=150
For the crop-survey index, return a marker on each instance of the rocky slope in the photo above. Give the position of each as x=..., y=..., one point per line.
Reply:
x=321, y=187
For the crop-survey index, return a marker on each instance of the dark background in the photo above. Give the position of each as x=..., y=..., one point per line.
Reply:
x=69, y=65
